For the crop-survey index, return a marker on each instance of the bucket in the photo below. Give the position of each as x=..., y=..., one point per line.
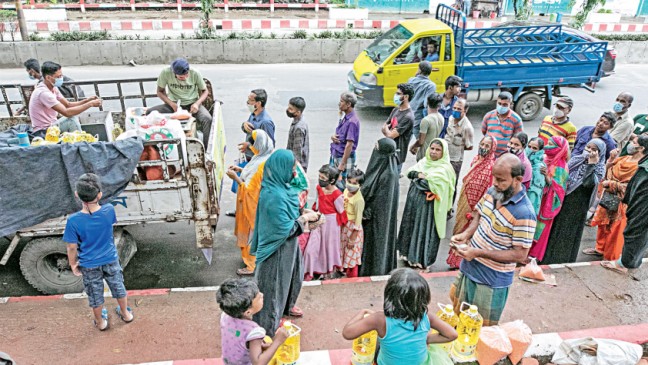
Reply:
x=23, y=139
x=492, y=15
x=476, y=14
x=552, y=17
x=558, y=17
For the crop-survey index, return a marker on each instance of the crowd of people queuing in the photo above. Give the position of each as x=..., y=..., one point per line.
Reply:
x=524, y=196
x=521, y=199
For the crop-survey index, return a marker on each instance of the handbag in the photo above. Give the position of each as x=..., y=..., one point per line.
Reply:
x=610, y=201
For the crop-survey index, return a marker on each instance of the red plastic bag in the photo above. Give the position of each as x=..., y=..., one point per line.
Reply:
x=520, y=336
x=532, y=271
x=493, y=345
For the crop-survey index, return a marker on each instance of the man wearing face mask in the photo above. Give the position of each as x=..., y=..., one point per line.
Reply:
x=400, y=123
x=559, y=123
x=624, y=124
x=499, y=237
x=46, y=102
x=502, y=123
x=459, y=136
x=298, y=133
x=34, y=71
x=258, y=119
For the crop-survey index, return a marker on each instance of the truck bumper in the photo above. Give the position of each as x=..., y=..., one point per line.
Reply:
x=368, y=95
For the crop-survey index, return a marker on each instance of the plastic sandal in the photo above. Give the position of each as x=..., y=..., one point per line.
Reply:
x=104, y=317
x=119, y=314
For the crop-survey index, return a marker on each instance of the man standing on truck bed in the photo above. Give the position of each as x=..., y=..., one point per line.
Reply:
x=46, y=102
x=186, y=88
x=502, y=123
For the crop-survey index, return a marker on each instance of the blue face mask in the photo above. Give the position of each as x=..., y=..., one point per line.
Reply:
x=456, y=114
x=502, y=109
x=618, y=107
x=397, y=100
x=32, y=77
x=58, y=82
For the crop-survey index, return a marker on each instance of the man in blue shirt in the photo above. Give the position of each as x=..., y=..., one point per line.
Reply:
x=600, y=130
x=259, y=119
x=432, y=52
x=92, y=253
x=450, y=96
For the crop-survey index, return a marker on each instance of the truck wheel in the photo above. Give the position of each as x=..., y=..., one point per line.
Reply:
x=44, y=264
x=529, y=106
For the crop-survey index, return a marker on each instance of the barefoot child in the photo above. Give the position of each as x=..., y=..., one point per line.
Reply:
x=323, y=254
x=404, y=324
x=352, y=234
x=92, y=253
x=241, y=338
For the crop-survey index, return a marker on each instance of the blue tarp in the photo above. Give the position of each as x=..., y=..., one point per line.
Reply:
x=37, y=183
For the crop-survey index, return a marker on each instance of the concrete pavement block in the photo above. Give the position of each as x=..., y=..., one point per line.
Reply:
x=70, y=54
x=234, y=51
x=348, y=52
x=8, y=52
x=636, y=51
x=331, y=50
x=622, y=49
x=110, y=52
x=172, y=49
x=272, y=51
x=292, y=50
x=90, y=53
x=311, y=51
x=132, y=50
x=46, y=51
x=213, y=51
x=193, y=51
x=254, y=51
x=24, y=51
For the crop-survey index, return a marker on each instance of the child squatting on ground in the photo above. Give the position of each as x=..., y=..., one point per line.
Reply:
x=404, y=324
x=92, y=253
x=241, y=338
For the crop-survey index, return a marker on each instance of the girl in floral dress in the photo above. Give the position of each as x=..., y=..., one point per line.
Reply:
x=352, y=235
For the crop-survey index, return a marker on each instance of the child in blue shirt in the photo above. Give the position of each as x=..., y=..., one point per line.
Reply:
x=404, y=324
x=92, y=253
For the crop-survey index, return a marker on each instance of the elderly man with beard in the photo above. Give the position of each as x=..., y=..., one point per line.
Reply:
x=498, y=238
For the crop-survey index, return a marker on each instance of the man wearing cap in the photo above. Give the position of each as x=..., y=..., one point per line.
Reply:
x=187, y=88
x=559, y=124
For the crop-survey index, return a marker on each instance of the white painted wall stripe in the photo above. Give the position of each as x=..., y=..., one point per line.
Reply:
x=95, y=25
x=137, y=24
x=312, y=283
x=380, y=278
x=4, y=300
x=195, y=289
x=75, y=296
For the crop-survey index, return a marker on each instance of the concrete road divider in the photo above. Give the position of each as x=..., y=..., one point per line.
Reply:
x=219, y=51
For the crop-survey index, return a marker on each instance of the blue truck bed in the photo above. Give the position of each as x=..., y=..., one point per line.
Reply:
x=519, y=57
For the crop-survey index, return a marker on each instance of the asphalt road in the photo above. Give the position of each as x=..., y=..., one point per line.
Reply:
x=167, y=256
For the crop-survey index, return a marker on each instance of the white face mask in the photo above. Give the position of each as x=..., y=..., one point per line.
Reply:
x=558, y=113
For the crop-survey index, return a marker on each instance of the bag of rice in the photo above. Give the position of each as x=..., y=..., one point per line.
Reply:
x=493, y=345
x=520, y=336
x=532, y=271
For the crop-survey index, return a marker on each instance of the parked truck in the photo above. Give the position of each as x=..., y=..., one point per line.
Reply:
x=189, y=190
x=532, y=62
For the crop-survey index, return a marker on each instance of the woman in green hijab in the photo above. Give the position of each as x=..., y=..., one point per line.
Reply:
x=428, y=201
x=279, y=270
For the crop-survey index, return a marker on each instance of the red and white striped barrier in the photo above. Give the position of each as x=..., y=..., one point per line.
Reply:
x=179, y=5
x=271, y=24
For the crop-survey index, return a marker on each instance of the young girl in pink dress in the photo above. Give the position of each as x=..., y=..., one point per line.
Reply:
x=323, y=254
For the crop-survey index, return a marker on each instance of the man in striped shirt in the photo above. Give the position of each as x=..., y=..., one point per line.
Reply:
x=502, y=123
x=499, y=236
x=559, y=124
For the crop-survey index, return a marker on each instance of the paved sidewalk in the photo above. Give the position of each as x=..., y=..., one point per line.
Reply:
x=183, y=323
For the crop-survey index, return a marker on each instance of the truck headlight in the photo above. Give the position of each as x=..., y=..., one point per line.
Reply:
x=368, y=78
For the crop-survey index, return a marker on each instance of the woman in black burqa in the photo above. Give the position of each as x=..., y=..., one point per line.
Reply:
x=380, y=192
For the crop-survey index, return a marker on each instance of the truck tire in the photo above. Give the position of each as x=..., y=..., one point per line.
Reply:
x=44, y=264
x=529, y=106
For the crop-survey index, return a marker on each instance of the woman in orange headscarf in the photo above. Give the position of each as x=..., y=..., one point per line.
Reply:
x=247, y=196
x=611, y=222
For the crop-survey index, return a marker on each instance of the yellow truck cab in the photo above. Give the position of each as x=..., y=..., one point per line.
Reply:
x=394, y=57
x=531, y=62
